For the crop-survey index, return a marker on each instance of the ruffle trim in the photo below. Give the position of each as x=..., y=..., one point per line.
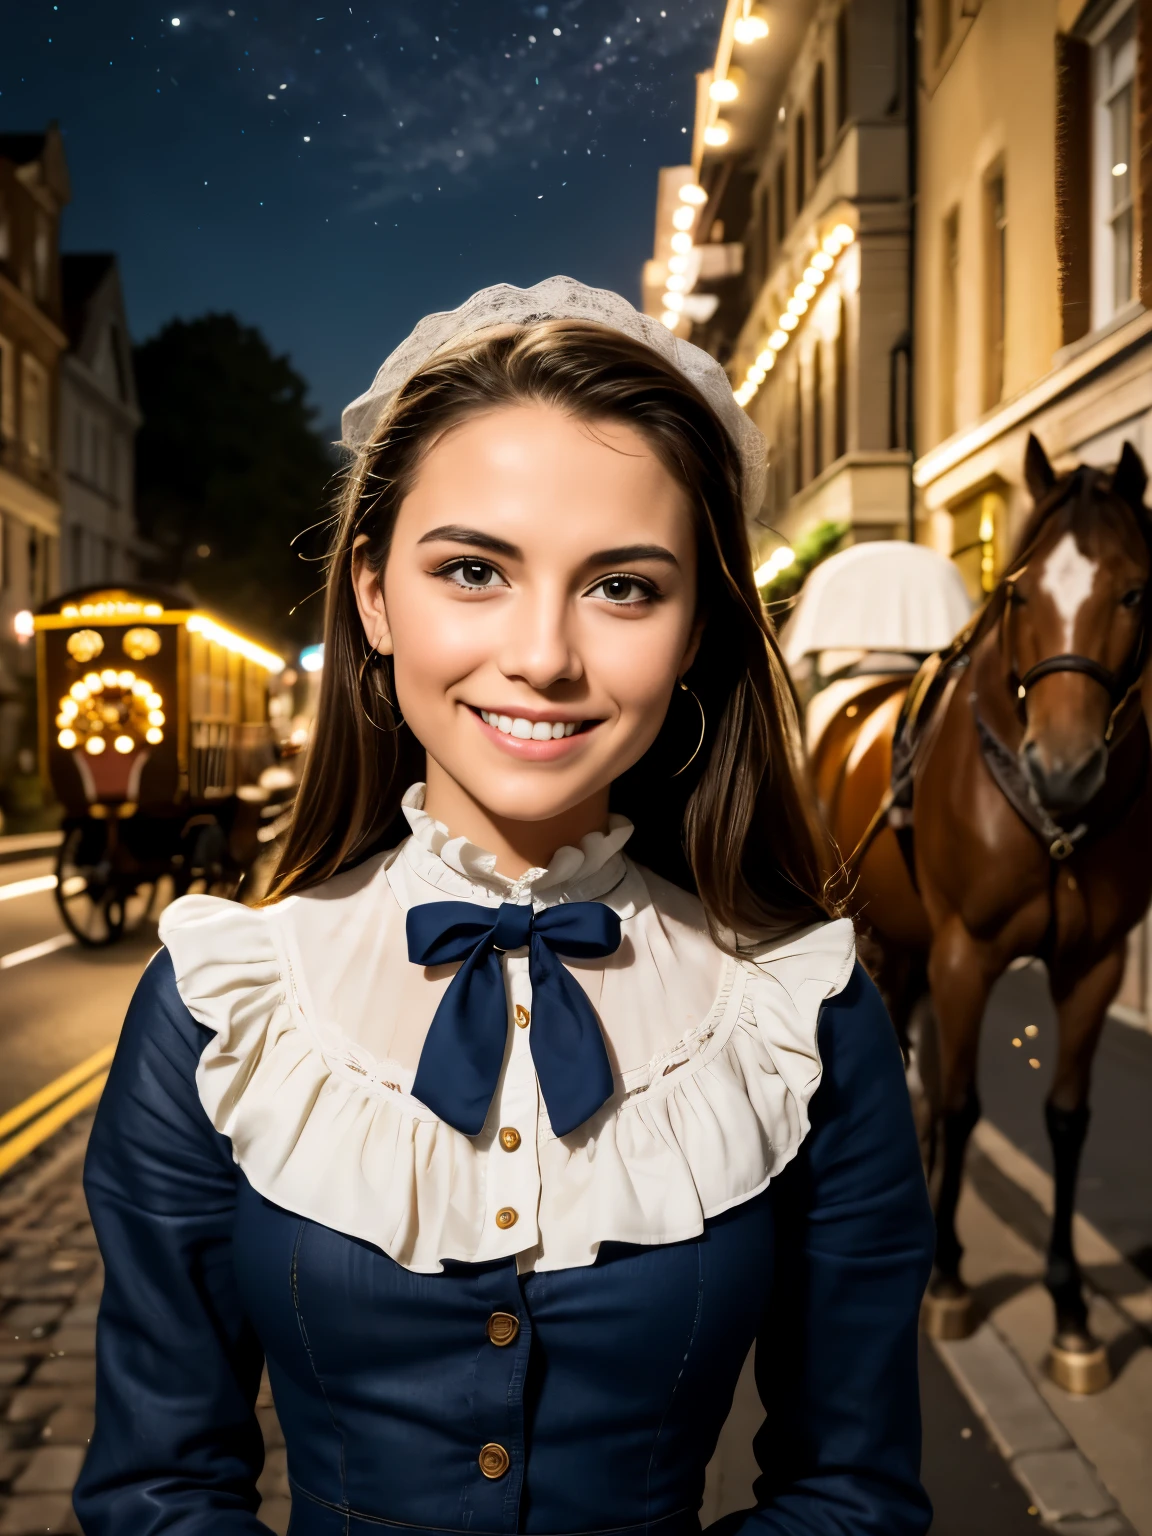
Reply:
x=701, y=1129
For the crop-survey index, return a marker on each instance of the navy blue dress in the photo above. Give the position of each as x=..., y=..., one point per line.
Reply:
x=608, y=1400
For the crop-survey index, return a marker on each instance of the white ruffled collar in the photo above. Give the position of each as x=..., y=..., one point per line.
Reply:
x=463, y=868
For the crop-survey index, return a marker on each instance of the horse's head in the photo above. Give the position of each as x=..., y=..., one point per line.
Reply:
x=1073, y=631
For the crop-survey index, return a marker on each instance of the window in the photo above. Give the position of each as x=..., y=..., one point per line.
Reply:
x=819, y=110
x=7, y=391
x=801, y=162
x=842, y=68
x=42, y=259
x=1114, y=68
x=949, y=319
x=841, y=400
x=943, y=27
x=995, y=272
x=781, y=202
x=817, y=407
x=5, y=554
x=75, y=555
x=34, y=409
x=797, y=433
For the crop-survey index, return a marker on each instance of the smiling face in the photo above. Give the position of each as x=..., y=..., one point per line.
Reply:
x=539, y=599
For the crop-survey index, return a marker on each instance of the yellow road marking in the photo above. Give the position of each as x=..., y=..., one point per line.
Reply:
x=31, y=1107
x=47, y=1125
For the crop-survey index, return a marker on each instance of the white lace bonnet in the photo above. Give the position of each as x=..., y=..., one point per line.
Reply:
x=563, y=298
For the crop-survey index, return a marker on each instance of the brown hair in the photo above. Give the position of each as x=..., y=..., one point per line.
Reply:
x=748, y=845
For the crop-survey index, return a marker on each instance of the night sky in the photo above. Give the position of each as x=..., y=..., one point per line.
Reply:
x=330, y=175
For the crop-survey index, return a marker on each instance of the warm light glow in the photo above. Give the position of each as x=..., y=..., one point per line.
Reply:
x=676, y=283
x=684, y=218
x=24, y=625
x=677, y=263
x=691, y=193
x=716, y=136
x=670, y=318
x=805, y=291
x=844, y=233
x=832, y=247
x=778, y=561
x=756, y=375
x=814, y=276
x=84, y=645
x=112, y=608
x=92, y=682
x=141, y=643
x=674, y=302
x=95, y=745
x=154, y=701
x=124, y=744
x=788, y=322
x=67, y=739
x=723, y=90
x=681, y=243
x=1120, y=168
x=79, y=692
x=155, y=717
x=200, y=624
x=823, y=262
x=767, y=359
x=750, y=29
x=141, y=688
x=797, y=306
x=68, y=708
x=777, y=340
x=154, y=736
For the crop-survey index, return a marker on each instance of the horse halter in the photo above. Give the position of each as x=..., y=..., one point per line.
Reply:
x=1117, y=684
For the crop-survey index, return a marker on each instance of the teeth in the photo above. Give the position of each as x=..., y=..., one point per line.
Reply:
x=528, y=730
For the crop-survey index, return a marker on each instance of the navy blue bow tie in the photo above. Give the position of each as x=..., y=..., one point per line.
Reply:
x=460, y=1063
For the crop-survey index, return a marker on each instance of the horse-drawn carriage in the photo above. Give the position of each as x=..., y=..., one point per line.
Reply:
x=157, y=738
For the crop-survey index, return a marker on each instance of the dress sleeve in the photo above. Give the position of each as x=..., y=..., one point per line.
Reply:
x=176, y=1447
x=836, y=1356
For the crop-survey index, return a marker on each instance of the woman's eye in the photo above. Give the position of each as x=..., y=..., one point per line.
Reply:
x=623, y=590
x=473, y=574
x=1132, y=599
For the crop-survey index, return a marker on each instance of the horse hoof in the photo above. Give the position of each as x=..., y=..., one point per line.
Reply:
x=1079, y=1371
x=947, y=1317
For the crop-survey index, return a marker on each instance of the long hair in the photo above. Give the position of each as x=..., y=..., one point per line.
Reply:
x=737, y=827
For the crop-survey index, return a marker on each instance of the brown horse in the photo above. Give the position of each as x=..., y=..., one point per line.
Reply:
x=1031, y=825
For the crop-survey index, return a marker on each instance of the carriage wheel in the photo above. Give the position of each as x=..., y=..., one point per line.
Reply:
x=99, y=899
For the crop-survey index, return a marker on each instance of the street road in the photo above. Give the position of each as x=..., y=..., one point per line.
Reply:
x=60, y=1007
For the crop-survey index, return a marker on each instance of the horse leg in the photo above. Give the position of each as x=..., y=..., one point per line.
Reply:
x=1076, y=1360
x=959, y=978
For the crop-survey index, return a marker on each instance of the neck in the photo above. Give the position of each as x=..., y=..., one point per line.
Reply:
x=518, y=845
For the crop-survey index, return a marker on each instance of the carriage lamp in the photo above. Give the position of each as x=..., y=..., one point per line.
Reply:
x=128, y=708
x=141, y=642
x=84, y=645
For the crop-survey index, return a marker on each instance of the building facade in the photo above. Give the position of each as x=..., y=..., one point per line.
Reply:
x=1034, y=268
x=784, y=249
x=99, y=419
x=34, y=189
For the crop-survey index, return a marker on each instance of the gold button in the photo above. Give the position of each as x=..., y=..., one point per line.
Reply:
x=523, y=1017
x=506, y=1217
x=509, y=1138
x=503, y=1328
x=494, y=1460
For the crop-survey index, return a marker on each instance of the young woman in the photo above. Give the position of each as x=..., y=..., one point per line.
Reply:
x=500, y=1144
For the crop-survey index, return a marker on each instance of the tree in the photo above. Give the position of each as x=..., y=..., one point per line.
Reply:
x=230, y=468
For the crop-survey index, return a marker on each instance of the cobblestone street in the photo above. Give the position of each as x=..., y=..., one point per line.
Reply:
x=50, y=1282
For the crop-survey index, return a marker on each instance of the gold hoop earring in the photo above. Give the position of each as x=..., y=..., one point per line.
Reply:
x=373, y=659
x=703, y=727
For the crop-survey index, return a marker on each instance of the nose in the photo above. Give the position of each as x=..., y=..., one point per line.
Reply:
x=538, y=646
x=1061, y=785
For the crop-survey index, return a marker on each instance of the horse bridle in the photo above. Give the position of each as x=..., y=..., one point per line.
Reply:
x=1116, y=684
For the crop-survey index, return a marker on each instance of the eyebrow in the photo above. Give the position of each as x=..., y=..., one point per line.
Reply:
x=455, y=533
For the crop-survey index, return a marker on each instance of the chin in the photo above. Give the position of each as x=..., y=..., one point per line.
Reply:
x=530, y=794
